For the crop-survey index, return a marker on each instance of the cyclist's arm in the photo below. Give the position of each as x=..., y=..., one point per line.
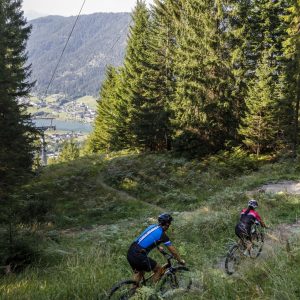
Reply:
x=165, y=239
x=258, y=218
x=262, y=223
x=175, y=253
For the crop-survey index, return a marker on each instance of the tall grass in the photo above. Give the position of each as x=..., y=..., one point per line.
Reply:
x=99, y=204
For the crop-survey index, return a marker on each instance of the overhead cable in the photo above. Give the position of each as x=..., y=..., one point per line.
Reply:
x=62, y=53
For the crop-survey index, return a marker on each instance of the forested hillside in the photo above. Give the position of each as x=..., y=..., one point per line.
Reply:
x=201, y=76
x=98, y=40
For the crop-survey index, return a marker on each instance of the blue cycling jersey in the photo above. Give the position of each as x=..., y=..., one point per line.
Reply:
x=151, y=237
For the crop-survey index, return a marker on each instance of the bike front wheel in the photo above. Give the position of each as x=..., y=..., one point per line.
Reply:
x=233, y=259
x=123, y=290
x=176, y=279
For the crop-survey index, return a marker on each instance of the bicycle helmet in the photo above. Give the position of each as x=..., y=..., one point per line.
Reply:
x=253, y=203
x=165, y=219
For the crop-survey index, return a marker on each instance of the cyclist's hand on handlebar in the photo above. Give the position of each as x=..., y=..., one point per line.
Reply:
x=163, y=252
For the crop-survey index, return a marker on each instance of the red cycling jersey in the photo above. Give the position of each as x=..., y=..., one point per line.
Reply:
x=253, y=213
x=249, y=218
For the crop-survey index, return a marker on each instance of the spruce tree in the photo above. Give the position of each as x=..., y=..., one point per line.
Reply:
x=69, y=151
x=291, y=81
x=110, y=123
x=156, y=127
x=144, y=86
x=204, y=103
x=256, y=29
x=259, y=126
x=16, y=130
x=238, y=22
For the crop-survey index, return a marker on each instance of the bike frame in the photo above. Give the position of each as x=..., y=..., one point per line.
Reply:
x=166, y=267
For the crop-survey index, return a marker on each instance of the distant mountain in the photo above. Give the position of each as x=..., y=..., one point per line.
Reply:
x=97, y=40
x=31, y=14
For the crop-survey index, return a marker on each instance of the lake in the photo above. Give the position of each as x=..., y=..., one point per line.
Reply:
x=65, y=125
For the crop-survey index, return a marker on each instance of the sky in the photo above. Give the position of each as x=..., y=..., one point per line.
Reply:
x=72, y=7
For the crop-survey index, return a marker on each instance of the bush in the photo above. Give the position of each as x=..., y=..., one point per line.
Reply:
x=35, y=207
x=20, y=253
x=232, y=163
x=191, y=144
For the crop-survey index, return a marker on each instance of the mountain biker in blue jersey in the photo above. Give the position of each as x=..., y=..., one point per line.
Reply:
x=150, y=238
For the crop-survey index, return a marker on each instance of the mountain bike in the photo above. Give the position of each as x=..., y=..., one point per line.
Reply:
x=174, y=277
x=236, y=252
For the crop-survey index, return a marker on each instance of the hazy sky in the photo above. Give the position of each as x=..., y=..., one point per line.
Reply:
x=72, y=7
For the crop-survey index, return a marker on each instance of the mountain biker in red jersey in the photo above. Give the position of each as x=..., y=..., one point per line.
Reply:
x=150, y=238
x=243, y=229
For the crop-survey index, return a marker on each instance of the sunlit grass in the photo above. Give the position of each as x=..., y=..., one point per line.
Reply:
x=101, y=203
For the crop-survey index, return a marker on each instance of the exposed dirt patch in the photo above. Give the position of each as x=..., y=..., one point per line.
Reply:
x=289, y=187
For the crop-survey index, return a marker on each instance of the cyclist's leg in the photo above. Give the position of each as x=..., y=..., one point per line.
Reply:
x=136, y=261
x=245, y=238
x=248, y=243
x=248, y=247
x=138, y=276
x=158, y=273
x=149, y=265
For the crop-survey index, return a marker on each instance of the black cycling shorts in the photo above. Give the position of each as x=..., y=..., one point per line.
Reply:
x=138, y=259
x=243, y=232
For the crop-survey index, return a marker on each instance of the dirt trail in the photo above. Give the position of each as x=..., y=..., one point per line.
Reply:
x=286, y=186
x=283, y=234
x=125, y=196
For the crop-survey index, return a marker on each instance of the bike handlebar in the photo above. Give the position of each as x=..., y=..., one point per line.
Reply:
x=167, y=255
x=257, y=223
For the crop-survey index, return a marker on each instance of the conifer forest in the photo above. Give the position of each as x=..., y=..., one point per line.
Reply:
x=201, y=75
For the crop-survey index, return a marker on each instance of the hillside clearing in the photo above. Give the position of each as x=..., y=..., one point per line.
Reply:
x=99, y=204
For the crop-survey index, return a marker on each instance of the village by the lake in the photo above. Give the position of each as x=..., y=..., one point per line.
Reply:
x=62, y=119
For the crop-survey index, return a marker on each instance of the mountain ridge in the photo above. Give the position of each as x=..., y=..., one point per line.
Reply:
x=98, y=40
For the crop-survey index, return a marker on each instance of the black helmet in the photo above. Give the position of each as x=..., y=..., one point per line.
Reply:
x=165, y=219
x=253, y=203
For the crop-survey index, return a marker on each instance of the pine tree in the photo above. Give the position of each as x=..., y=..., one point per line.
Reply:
x=154, y=126
x=238, y=22
x=70, y=151
x=204, y=97
x=110, y=123
x=144, y=88
x=257, y=30
x=291, y=79
x=16, y=131
x=259, y=127
x=16, y=142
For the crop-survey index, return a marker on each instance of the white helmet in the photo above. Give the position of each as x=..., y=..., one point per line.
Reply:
x=253, y=203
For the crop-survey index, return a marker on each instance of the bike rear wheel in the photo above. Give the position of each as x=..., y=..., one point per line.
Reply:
x=123, y=290
x=178, y=278
x=233, y=259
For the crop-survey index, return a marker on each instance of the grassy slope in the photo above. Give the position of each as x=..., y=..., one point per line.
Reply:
x=97, y=205
x=90, y=101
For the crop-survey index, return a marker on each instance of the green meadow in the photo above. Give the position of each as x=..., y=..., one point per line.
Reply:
x=83, y=215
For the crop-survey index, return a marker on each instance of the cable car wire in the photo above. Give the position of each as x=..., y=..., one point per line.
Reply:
x=62, y=53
